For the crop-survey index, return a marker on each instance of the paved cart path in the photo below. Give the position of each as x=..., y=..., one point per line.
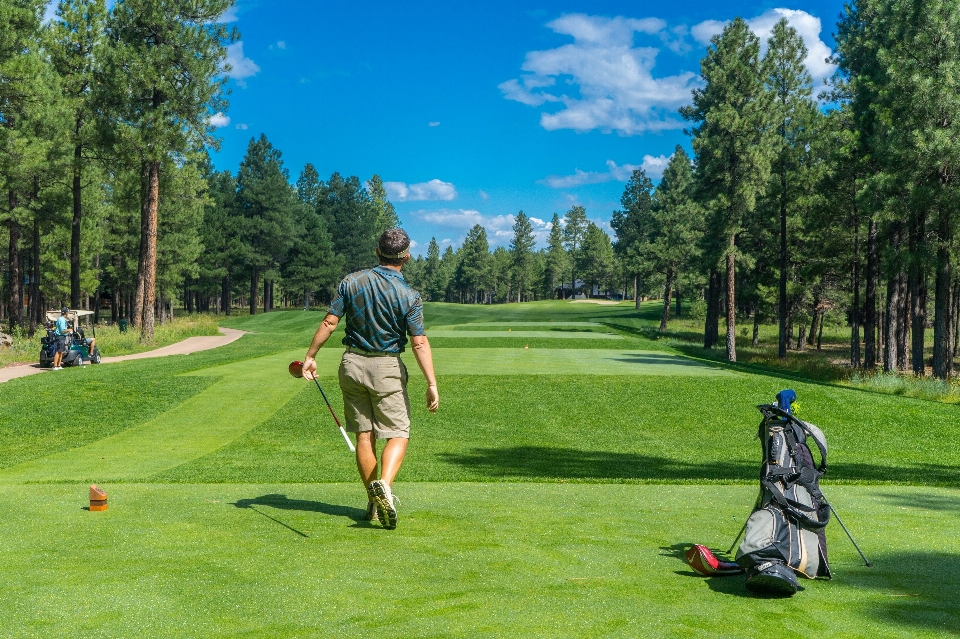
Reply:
x=187, y=346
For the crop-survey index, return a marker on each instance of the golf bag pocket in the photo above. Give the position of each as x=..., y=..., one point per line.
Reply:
x=772, y=538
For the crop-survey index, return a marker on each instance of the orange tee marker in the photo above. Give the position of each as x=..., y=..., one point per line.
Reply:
x=98, y=498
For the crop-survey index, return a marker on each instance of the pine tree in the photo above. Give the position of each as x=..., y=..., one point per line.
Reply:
x=732, y=137
x=596, y=259
x=473, y=268
x=633, y=227
x=794, y=112
x=557, y=260
x=387, y=217
x=574, y=230
x=77, y=39
x=152, y=112
x=268, y=206
x=677, y=225
x=521, y=250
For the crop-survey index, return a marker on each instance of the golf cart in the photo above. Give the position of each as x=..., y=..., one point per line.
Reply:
x=77, y=344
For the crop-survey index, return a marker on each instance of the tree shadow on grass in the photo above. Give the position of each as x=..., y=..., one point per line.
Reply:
x=924, y=501
x=282, y=502
x=569, y=463
x=916, y=589
x=542, y=462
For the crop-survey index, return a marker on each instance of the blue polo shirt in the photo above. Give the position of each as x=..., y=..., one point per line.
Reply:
x=381, y=309
x=62, y=324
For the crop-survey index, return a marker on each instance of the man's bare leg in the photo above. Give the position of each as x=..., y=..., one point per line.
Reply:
x=367, y=458
x=392, y=458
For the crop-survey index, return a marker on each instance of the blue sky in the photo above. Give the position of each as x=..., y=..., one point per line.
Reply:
x=472, y=111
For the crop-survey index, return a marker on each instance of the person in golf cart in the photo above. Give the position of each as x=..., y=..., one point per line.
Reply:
x=381, y=310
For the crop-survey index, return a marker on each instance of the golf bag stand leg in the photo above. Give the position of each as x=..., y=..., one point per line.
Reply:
x=744, y=527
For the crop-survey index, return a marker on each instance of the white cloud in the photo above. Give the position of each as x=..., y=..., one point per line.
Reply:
x=50, y=11
x=617, y=89
x=242, y=126
x=218, y=120
x=230, y=15
x=705, y=30
x=432, y=190
x=241, y=67
x=807, y=26
x=484, y=195
x=433, y=124
x=652, y=165
x=281, y=44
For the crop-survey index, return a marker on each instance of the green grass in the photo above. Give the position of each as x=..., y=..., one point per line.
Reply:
x=551, y=495
x=471, y=560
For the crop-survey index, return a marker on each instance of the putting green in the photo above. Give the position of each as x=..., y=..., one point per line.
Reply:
x=540, y=361
x=246, y=394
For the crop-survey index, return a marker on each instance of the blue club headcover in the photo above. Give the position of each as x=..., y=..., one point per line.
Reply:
x=785, y=398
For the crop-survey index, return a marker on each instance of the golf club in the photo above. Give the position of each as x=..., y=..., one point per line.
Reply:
x=840, y=521
x=296, y=369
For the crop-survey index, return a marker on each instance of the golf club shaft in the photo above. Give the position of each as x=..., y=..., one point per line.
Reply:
x=840, y=521
x=756, y=504
x=346, y=437
x=734, y=544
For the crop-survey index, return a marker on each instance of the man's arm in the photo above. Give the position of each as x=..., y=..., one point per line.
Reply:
x=327, y=327
x=421, y=350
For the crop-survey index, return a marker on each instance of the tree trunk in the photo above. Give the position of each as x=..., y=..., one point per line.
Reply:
x=254, y=289
x=918, y=318
x=802, y=337
x=677, y=297
x=636, y=291
x=789, y=329
x=731, y=303
x=756, y=328
x=855, y=357
x=711, y=329
x=36, y=307
x=75, y=226
x=782, y=297
x=148, y=230
x=668, y=289
x=941, y=317
x=891, y=325
x=870, y=324
x=903, y=326
x=16, y=272
x=226, y=293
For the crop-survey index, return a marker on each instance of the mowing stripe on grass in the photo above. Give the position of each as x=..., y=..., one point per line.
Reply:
x=246, y=394
x=538, y=361
x=506, y=324
x=524, y=334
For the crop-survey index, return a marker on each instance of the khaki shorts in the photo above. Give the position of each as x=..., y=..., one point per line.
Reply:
x=375, y=395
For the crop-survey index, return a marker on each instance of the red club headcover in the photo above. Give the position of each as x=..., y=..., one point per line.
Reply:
x=296, y=368
x=703, y=561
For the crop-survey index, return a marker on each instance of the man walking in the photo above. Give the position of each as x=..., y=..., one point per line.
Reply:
x=381, y=310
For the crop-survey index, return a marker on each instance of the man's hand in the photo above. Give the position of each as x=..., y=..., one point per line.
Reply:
x=309, y=368
x=433, y=399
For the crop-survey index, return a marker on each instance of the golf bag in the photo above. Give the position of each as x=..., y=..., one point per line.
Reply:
x=785, y=533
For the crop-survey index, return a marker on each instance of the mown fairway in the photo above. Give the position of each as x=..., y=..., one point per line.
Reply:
x=552, y=495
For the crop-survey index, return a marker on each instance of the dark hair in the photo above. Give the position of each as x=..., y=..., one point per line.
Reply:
x=394, y=247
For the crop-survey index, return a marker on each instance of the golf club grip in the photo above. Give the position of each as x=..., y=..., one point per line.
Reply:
x=346, y=438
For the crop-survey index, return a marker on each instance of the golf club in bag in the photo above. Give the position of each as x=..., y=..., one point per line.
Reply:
x=296, y=369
